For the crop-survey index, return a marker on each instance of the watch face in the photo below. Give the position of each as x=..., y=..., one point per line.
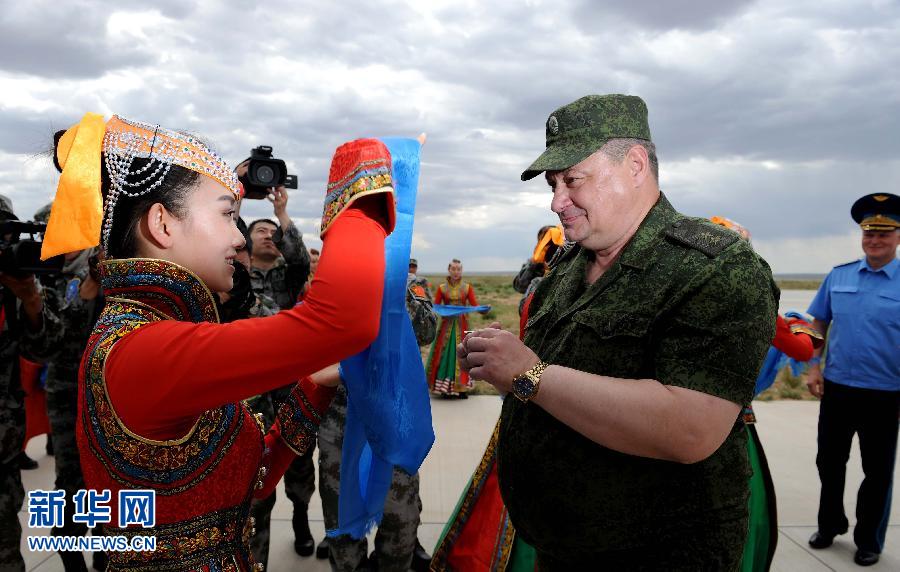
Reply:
x=523, y=387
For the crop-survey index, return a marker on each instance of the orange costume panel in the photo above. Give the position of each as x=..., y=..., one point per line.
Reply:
x=161, y=384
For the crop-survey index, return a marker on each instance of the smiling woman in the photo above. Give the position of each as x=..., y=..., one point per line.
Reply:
x=159, y=407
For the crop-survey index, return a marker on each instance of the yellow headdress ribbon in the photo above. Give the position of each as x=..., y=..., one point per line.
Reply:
x=554, y=235
x=77, y=212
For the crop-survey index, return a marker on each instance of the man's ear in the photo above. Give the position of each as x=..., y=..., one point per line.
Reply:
x=638, y=164
x=158, y=225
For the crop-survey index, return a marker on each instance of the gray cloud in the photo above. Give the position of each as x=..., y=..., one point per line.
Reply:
x=805, y=87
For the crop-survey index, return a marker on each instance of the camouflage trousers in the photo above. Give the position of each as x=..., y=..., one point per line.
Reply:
x=395, y=540
x=12, y=495
x=299, y=483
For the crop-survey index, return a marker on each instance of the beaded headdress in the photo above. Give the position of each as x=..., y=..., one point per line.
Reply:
x=127, y=140
x=79, y=218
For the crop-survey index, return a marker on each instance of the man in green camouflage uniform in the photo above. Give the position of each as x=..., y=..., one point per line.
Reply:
x=29, y=326
x=396, y=540
x=279, y=267
x=622, y=447
x=80, y=304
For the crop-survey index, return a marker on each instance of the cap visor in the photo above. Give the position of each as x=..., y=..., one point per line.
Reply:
x=561, y=155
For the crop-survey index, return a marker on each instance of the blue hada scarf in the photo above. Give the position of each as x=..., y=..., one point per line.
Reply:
x=388, y=407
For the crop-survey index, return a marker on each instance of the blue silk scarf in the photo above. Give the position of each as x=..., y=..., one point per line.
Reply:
x=388, y=407
x=449, y=311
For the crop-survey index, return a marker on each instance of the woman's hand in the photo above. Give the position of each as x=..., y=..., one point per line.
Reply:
x=328, y=377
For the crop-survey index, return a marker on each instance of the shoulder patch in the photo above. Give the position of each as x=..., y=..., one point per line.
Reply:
x=710, y=239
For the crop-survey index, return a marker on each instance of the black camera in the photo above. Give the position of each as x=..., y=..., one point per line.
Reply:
x=265, y=171
x=20, y=257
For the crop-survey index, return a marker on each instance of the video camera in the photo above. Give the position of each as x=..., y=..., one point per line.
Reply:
x=263, y=172
x=21, y=257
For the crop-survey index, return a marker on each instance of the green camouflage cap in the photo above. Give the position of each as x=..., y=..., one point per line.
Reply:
x=575, y=131
x=43, y=214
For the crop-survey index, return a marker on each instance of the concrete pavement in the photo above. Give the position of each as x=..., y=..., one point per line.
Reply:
x=787, y=430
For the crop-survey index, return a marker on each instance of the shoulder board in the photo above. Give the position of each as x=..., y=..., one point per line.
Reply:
x=710, y=239
x=847, y=263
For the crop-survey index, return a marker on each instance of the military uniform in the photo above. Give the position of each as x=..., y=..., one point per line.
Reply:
x=284, y=282
x=690, y=305
x=15, y=339
x=396, y=538
x=861, y=385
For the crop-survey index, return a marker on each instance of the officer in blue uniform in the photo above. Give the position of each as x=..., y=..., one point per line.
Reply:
x=860, y=383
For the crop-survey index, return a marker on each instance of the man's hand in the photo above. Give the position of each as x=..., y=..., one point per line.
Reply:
x=278, y=196
x=814, y=381
x=26, y=290
x=496, y=356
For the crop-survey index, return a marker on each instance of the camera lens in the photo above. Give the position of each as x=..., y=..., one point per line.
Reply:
x=265, y=175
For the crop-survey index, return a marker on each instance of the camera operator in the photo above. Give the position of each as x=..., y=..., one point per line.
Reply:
x=28, y=326
x=77, y=288
x=279, y=263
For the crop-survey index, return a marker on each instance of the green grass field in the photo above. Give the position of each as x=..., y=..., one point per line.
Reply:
x=497, y=291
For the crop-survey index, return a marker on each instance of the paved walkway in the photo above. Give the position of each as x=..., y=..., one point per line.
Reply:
x=787, y=430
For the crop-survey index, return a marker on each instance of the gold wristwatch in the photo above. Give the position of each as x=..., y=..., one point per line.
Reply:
x=525, y=386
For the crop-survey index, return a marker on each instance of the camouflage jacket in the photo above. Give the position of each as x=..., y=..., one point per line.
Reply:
x=16, y=339
x=420, y=308
x=688, y=304
x=78, y=317
x=283, y=283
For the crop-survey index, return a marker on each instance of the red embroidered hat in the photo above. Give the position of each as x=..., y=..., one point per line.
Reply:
x=358, y=168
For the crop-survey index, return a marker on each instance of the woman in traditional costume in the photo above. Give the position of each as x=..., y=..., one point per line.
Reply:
x=161, y=383
x=444, y=375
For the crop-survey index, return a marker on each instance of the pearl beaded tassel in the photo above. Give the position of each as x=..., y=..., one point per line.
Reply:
x=119, y=162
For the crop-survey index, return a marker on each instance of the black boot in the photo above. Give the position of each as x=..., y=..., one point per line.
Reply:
x=73, y=561
x=26, y=463
x=322, y=550
x=100, y=561
x=304, y=545
x=421, y=561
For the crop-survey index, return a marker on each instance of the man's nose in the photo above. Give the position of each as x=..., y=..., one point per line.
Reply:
x=560, y=199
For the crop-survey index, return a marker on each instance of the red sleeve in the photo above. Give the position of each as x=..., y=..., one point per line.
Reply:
x=439, y=294
x=161, y=377
x=796, y=345
x=523, y=319
x=471, y=296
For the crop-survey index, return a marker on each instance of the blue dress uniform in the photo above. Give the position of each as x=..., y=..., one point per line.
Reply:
x=862, y=388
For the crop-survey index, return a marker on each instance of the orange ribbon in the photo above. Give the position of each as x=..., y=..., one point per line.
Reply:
x=77, y=213
x=554, y=235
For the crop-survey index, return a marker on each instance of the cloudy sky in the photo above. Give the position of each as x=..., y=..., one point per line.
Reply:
x=775, y=114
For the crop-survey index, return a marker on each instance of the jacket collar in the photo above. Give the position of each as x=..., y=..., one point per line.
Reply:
x=170, y=290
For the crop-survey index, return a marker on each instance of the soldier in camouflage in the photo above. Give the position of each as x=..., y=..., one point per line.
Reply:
x=78, y=290
x=622, y=447
x=240, y=303
x=396, y=543
x=29, y=326
x=279, y=268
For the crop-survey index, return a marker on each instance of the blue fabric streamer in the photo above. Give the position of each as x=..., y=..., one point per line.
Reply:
x=388, y=407
x=449, y=311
